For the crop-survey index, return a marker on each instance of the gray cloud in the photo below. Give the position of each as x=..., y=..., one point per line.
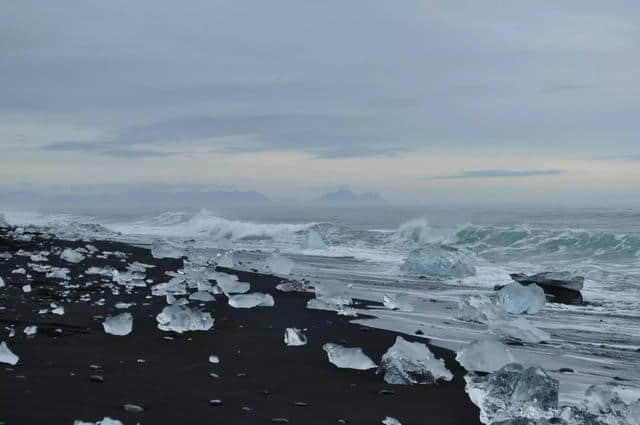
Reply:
x=484, y=174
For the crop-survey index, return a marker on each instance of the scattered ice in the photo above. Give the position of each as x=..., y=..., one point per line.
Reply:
x=485, y=355
x=391, y=421
x=39, y=257
x=279, y=264
x=120, y=324
x=294, y=337
x=314, y=241
x=514, y=392
x=518, y=329
x=230, y=285
x=180, y=318
x=26, y=288
x=412, y=363
x=478, y=308
x=203, y=296
x=254, y=299
x=518, y=299
x=397, y=302
x=6, y=356
x=214, y=359
x=58, y=273
x=174, y=287
x=30, y=330
x=348, y=358
x=439, y=261
x=165, y=249
x=104, y=421
x=71, y=256
x=57, y=310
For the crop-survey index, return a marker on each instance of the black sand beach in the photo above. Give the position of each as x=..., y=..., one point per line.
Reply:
x=260, y=380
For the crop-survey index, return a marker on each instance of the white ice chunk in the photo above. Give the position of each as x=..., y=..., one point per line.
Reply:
x=104, y=421
x=485, y=355
x=214, y=359
x=348, y=358
x=26, y=288
x=175, y=286
x=518, y=299
x=171, y=300
x=230, y=285
x=439, y=261
x=1, y=282
x=203, y=296
x=164, y=249
x=518, y=329
x=294, y=337
x=71, y=256
x=225, y=260
x=180, y=318
x=279, y=264
x=254, y=299
x=412, y=363
x=123, y=306
x=19, y=270
x=391, y=421
x=58, y=310
x=119, y=325
x=30, y=330
x=478, y=308
x=6, y=356
x=314, y=241
x=397, y=302
x=58, y=273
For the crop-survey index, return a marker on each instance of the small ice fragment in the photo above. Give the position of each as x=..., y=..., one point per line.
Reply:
x=203, y=296
x=161, y=249
x=254, y=299
x=279, y=264
x=412, y=363
x=397, y=302
x=6, y=356
x=518, y=299
x=1, y=282
x=30, y=330
x=119, y=325
x=19, y=270
x=294, y=337
x=173, y=300
x=12, y=333
x=348, y=358
x=26, y=289
x=485, y=355
x=518, y=329
x=174, y=287
x=391, y=421
x=123, y=306
x=71, y=256
x=214, y=359
x=104, y=421
x=314, y=241
x=58, y=310
x=133, y=408
x=180, y=318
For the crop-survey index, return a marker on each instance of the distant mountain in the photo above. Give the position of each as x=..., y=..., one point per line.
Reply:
x=344, y=196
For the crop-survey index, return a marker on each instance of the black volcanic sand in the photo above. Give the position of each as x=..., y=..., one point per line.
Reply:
x=259, y=377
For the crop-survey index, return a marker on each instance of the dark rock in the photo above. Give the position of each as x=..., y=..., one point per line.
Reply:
x=560, y=287
x=419, y=332
x=565, y=370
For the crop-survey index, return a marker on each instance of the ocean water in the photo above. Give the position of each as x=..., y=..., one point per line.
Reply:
x=367, y=247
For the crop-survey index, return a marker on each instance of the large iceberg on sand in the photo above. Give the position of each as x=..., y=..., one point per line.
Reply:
x=412, y=363
x=348, y=358
x=314, y=241
x=514, y=392
x=518, y=299
x=439, y=261
x=254, y=299
x=119, y=325
x=485, y=355
x=7, y=356
x=479, y=309
x=517, y=329
x=182, y=318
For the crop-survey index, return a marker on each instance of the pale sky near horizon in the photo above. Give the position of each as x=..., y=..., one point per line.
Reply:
x=488, y=101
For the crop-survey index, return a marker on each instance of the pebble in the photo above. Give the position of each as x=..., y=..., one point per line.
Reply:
x=386, y=392
x=301, y=403
x=133, y=408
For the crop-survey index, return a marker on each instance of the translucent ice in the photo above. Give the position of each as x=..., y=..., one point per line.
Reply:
x=203, y=296
x=26, y=288
x=294, y=337
x=439, y=261
x=1, y=282
x=214, y=359
x=391, y=421
x=514, y=392
x=478, y=308
x=6, y=356
x=230, y=285
x=57, y=310
x=518, y=299
x=412, y=363
x=175, y=286
x=104, y=421
x=30, y=330
x=485, y=355
x=279, y=264
x=517, y=329
x=71, y=255
x=118, y=325
x=254, y=299
x=164, y=249
x=348, y=358
x=330, y=296
x=181, y=318
x=314, y=241
x=605, y=402
x=397, y=302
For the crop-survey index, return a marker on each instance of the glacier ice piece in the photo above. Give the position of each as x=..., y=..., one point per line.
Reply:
x=104, y=421
x=314, y=241
x=123, y=306
x=514, y=392
x=119, y=325
x=214, y=359
x=165, y=249
x=225, y=260
x=485, y=355
x=331, y=297
x=407, y=363
x=71, y=255
x=57, y=310
x=26, y=289
x=479, y=309
x=348, y=357
x=6, y=356
x=30, y=330
x=175, y=286
x=391, y=421
x=181, y=318
x=294, y=337
x=439, y=261
x=515, y=298
x=279, y=264
x=518, y=329
x=254, y=299
x=19, y=270
x=203, y=296
x=230, y=285
x=178, y=301
x=397, y=302
x=1, y=282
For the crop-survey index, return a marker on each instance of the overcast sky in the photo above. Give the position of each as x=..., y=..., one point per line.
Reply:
x=419, y=100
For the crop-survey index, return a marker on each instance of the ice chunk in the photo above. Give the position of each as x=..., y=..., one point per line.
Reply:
x=439, y=261
x=175, y=286
x=180, y=318
x=279, y=264
x=514, y=392
x=412, y=363
x=1, y=282
x=123, y=306
x=119, y=325
x=6, y=356
x=230, y=285
x=71, y=256
x=294, y=337
x=518, y=329
x=314, y=241
x=165, y=249
x=104, y=421
x=485, y=355
x=348, y=358
x=26, y=288
x=57, y=310
x=58, y=273
x=225, y=260
x=30, y=330
x=254, y=299
x=203, y=296
x=605, y=401
x=391, y=421
x=214, y=359
x=330, y=296
x=178, y=301
x=478, y=308
x=518, y=299
x=397, y=302
x=19, y=270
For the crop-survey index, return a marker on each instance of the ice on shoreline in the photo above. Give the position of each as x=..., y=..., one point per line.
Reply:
x=119, y=325
x=293, y=337
x=180, y=318
x=254, y=299
x=348, y=358
x=485, y=355
x=7, y=356
x=518, y=299
x=518, y=329
x=412, y=363
x=439, y=261
x=397, y=302
x=72, y=255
